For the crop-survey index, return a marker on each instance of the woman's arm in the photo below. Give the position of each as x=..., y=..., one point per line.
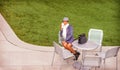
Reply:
x=60, y=26
x=69, y=34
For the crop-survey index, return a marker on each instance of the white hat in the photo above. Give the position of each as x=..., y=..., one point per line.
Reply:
x=65, y=19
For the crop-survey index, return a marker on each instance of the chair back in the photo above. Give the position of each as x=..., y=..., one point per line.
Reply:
x=59, y=38
x=112, y=52
x=58, y=49
x=95, y=35
x=65, y=54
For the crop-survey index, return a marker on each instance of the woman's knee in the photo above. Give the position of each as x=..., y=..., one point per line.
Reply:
x=64, y=44
x=69, y=45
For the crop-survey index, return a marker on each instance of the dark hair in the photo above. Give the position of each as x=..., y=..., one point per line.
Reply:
x=66, y=21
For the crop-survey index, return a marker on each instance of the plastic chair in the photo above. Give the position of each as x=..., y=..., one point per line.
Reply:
x=91, y=62
x=96, y=35
x=59, y=38
x=110, y=53
x=63, y=53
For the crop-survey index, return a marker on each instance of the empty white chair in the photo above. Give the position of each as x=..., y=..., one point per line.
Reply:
x=96, y=35
x=91, y=62
x=63, y=53
x=110, y=53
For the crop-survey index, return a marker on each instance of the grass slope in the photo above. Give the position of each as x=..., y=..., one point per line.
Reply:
x=37, y=21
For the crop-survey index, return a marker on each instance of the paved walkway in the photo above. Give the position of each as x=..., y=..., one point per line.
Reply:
x=18, y=55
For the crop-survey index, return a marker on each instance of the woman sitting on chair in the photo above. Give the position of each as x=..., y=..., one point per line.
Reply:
x=66, y=32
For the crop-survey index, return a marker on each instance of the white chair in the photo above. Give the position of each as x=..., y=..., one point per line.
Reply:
x=59, y=38
x=91, y=62
x=63, y=53
x=110, y=53
x=96, y=35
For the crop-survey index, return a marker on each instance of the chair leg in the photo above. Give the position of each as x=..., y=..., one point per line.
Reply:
x=104, y=64
x=100, y=48
x=95, y=68
x=60, y=68
x=77, y=65
x=53, y=59
x=116, y=63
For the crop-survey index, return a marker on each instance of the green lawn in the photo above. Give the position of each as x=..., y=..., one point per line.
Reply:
x=37, y=21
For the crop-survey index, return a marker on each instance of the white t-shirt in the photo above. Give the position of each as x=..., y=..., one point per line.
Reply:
x=64, y=27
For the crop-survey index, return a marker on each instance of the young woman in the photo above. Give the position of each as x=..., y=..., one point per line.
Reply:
x=66, y=32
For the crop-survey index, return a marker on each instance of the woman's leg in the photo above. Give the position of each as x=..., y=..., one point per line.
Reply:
x=68, y=46
x=64, y=44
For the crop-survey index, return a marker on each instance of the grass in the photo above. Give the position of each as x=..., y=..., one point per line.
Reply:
x=37, y=21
